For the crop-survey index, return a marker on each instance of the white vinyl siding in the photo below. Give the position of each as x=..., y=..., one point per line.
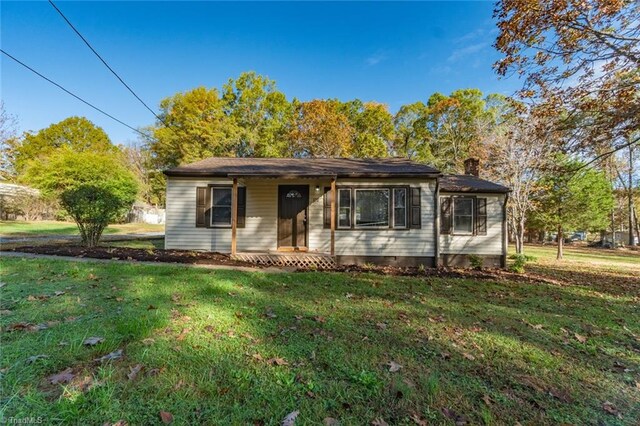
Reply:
x=489, y=244
x=260, y=231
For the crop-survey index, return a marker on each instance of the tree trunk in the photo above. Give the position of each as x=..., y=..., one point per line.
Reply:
x=613, y=229
x=631, y=241
x=520, y=237
x=560, y=243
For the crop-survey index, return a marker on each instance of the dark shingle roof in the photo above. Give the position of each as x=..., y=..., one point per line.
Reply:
x=303, y=167
x=469, y=183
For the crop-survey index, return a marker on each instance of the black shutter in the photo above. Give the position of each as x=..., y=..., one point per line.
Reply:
x=242, y=206
x=445, y=215
x=203, y=206
x=416, y=214
x=326, y=207
x=481, y=216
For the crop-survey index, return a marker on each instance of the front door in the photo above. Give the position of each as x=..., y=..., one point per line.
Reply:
x=293, y=201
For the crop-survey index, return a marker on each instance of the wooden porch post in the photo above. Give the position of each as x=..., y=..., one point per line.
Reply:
x=234, y=215
x=333, y=216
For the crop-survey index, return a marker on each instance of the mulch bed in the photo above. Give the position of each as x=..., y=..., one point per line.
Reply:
x=212, y=258
x=143, y=255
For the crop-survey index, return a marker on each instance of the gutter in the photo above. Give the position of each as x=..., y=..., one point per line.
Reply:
x=505, y=233
x=436, y=231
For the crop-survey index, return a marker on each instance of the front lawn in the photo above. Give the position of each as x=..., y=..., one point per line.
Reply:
x=226, y=347
x=18, y=228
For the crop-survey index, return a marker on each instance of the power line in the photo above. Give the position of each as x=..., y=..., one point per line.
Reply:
x=106, y=64
x=72, y=94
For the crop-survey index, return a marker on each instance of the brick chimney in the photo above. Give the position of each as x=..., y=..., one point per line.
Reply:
x=472, y=167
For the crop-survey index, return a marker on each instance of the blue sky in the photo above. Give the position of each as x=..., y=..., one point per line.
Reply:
x=394, y=53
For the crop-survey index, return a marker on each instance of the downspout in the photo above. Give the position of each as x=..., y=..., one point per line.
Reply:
x=505, y=233
x=436, y=232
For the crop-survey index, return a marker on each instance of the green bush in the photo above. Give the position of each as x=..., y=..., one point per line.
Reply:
x=476, y=261
x=519, y=262
x=93, y=208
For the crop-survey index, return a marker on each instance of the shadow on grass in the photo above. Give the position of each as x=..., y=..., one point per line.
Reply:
x=456, y=341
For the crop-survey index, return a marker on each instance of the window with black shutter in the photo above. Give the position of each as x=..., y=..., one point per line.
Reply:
x=242, y=206
x=445, y=215
x=481, y=216
x=326, y=207
x=416, y=212
x=203, y=204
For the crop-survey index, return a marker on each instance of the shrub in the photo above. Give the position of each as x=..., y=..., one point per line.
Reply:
x=476, y=261
x=519, y=262
x=93, y=208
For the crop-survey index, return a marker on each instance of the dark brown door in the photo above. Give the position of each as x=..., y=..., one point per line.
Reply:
x=293, y=201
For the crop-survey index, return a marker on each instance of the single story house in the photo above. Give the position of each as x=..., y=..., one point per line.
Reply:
x=300, y=211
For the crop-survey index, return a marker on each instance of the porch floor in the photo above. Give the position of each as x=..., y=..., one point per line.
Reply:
x=288, y=259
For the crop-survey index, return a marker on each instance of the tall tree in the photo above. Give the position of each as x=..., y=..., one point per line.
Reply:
x=8, y=143
x=194, y=126
x=372, y=126
x=577, y=56
x=262, y=114
x=410, y=134
x=320, y=130
x=570, y=200
x=75, y=133
x=454, y=125
x=519, y=155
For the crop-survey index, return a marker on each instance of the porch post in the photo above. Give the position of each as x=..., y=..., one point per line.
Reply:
x=234, y=215
x=333, y=216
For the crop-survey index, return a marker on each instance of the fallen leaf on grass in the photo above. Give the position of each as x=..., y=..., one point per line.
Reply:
x=394, y=366
x=580, y=338
x=25, y=326
x=610, y=408
x=417, y=420
x=166, y=417
x=119, y=299
x=5, y=312
x=459, y=420
x=257, y=357
x=330, y=421
x=561, y=395
x=468, y=356
x=381, y=325
x=133, y=371
x=486, y=399
x=34, y=358
x=270, y=314
x=148, y=341
x=92, y=341
x=59, y=293
x=320, y=319
x=64, y=376
x=118, y=423
x=32, y=298
x=277, y=361
x=117, y=354
x=290, y=418
x=379, y=422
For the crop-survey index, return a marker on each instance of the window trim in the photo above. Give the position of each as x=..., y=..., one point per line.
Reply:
x=406, y=207
x=212, y=207
x=350, y=207
x=353, y=189
x=453, y=215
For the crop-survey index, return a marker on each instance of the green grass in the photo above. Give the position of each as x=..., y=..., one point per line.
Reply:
x=494, y=352
x=14, y=228
x=574, y=254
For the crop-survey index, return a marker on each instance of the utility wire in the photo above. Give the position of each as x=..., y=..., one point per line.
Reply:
x=107, y=65
x=72, y=94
